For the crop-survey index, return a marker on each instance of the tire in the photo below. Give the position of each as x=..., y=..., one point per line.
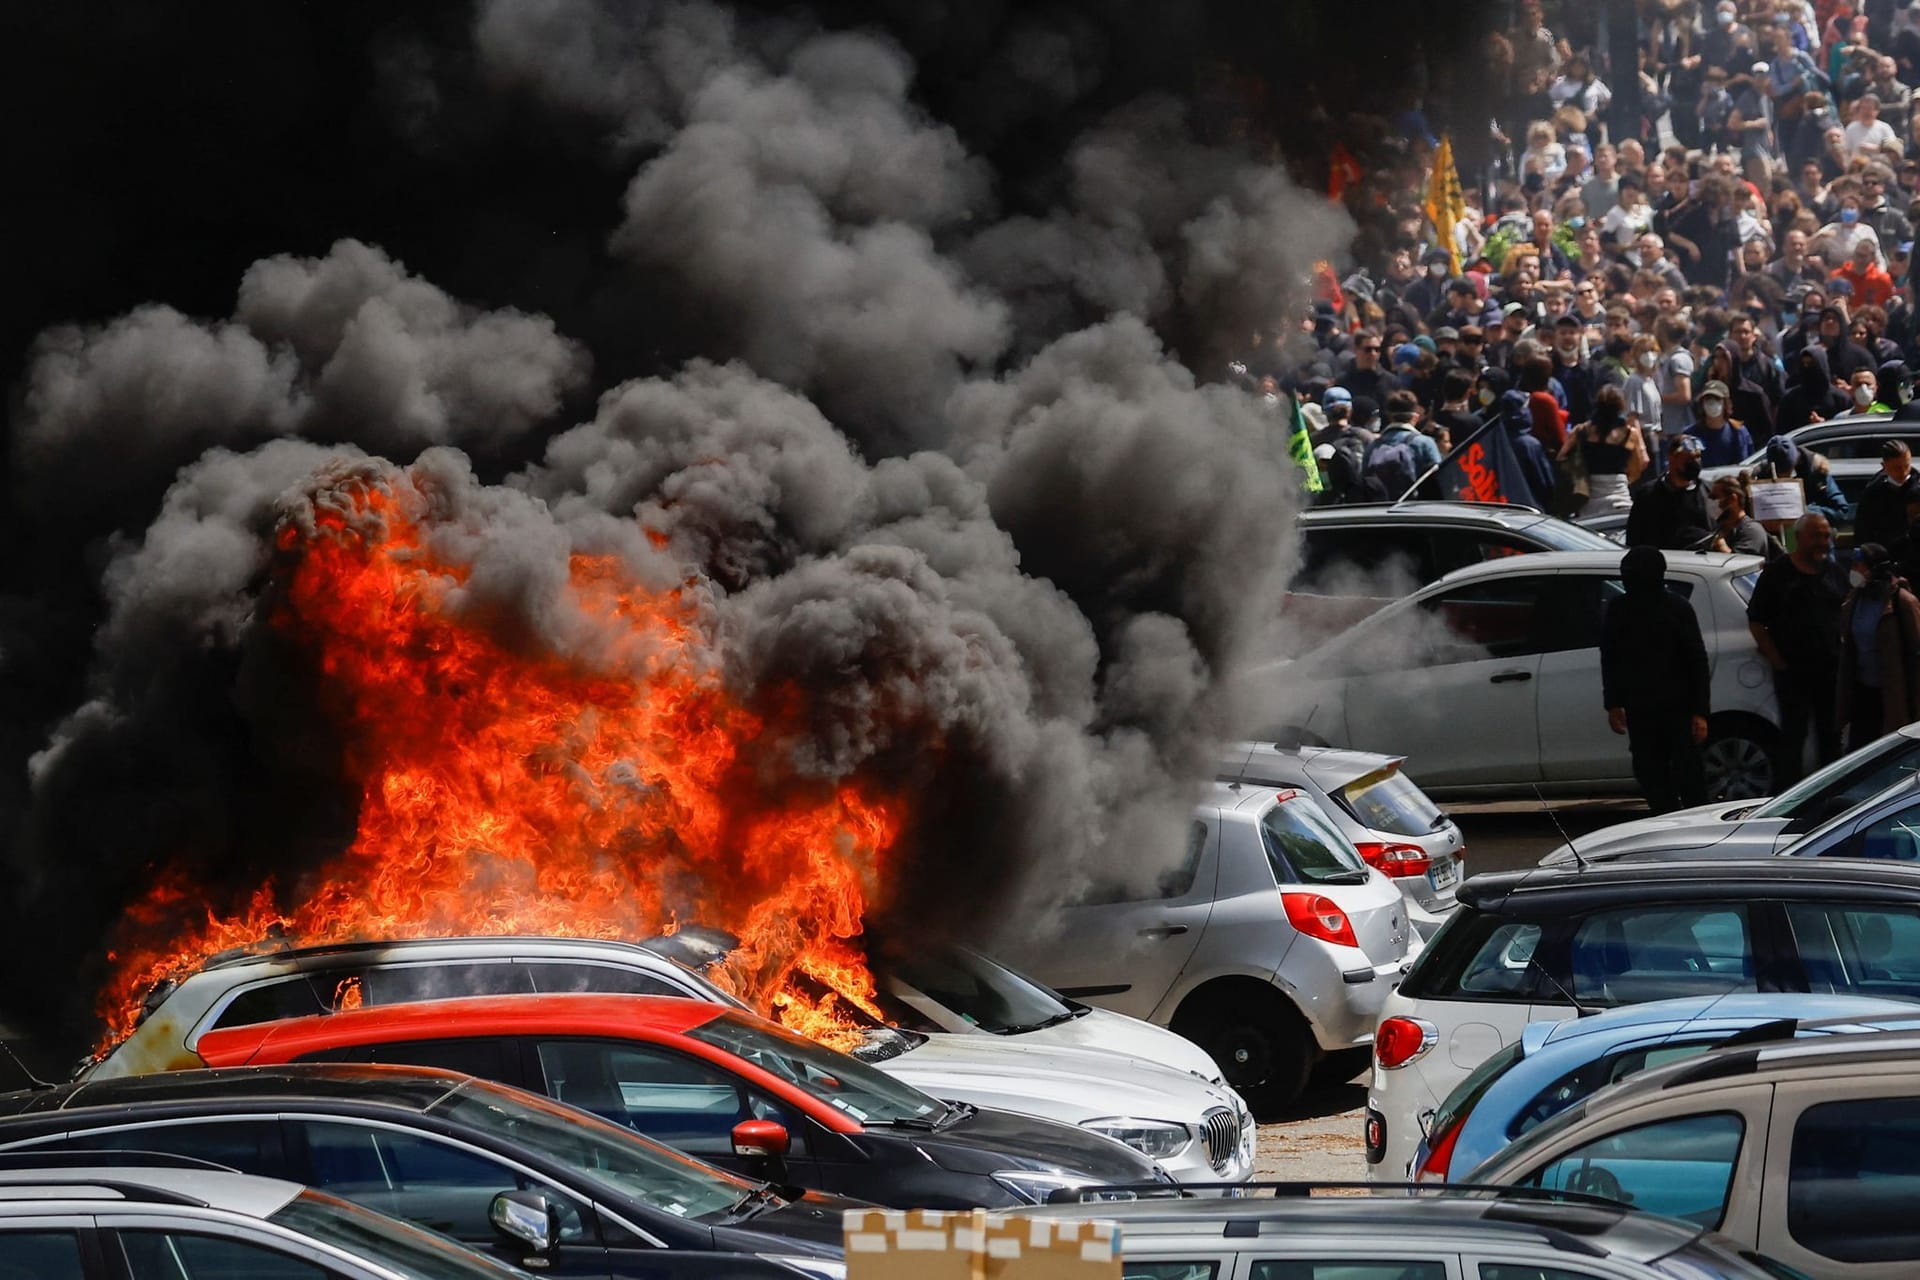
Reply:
x=1263, y=1046
x=1740, y=758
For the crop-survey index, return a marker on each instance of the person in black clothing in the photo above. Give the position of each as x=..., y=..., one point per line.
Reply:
x=1654, y=681
x=1810, y=391
x=1671, y=511
x=1845, y=357
x=1366, y=378
x=1794, y=615
x=1890, y=503
x=1574, y=372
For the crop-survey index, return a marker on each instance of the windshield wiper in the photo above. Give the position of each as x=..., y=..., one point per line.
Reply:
x=956, y=1112
x=1344, y=877
x=755, y=1203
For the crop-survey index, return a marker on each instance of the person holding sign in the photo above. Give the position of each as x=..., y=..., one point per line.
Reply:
x=1738, y=531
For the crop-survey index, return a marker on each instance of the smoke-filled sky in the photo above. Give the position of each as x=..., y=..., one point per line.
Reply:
x=892, y=328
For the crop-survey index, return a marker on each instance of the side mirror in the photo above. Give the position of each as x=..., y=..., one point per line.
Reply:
x=766, y=1139
x=528, y=1218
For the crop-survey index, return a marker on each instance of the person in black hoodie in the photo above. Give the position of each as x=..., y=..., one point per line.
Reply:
x=1654, y=681
x=1811, y=394
x=1845, y=357
x=1671, y=511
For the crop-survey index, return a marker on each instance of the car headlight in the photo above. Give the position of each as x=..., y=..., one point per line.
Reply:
x=1035, y=1185
x=819, y=1268
x=1156, y=1138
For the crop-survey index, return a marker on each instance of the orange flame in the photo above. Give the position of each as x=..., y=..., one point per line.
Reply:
x=505, y=789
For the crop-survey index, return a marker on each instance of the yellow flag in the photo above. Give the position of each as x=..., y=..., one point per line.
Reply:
x=1445, y=205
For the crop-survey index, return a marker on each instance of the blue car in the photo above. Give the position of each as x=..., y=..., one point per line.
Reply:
x=1555, y=1064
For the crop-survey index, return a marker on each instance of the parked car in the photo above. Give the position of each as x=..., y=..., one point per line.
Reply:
x=437, y=1148
x=1552, y=943
x=1065, y=1083
x=1555, y=1064
x=1396, y=828
x=1430, y=1237
x=1487, y=682
x=739, y=1092
x=1272, y=944
x=1357, y=559
x=1805, y=1150
x=1850, y=444
x=81, y=1222
x=1750, y=829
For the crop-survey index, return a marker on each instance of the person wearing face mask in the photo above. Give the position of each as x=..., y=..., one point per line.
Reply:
x=1891, y=501
x=1723, y=442
x=1642, y=391
x=1879, y=685
x=1811, y=395
x=1429, y=293
x=1671, y=512
x=1655, y=682
x=1836, y=241
x=1794, y=617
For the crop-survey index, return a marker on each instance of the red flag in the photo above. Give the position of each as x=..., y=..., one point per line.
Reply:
x=1342, y=171
x=1326, y=286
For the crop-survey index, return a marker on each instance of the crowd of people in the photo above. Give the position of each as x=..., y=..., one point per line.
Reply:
x=1635, y=296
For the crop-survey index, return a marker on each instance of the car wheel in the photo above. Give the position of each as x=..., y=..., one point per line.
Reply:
x=1738, y=758
x=1263, y=1047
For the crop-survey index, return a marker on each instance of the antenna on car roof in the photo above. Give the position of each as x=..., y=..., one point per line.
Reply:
x=1578, y=859
x=1240, y=777
x=21, y=1067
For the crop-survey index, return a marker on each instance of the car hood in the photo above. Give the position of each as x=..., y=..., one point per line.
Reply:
x=1067, y=1084
x=1696, y=828
x=814, y=1220
x=989, y=1140
x=1116, y=1033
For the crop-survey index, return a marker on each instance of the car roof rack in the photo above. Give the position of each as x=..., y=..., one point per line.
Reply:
x=1305, y=1191
x=26, y=1158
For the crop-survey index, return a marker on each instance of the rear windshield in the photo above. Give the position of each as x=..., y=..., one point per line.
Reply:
x=1560, y=535
x=1390, y=802
x=1304, y=847
x=1592, y=1076
x=1476, y=956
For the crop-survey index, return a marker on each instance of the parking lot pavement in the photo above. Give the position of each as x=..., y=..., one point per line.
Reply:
x=1320, y=1141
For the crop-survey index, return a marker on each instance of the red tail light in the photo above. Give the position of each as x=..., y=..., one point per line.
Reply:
x=1439, y=1159
x=1398, y=1041
x=1318, y=916
x=1395, y=859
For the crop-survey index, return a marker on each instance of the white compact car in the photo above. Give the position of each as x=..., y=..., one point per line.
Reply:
x=1198, y=1130
x=1487, y=682
x=1273, y=945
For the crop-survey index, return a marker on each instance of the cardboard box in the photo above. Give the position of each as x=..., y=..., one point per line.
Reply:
x=930, y=1244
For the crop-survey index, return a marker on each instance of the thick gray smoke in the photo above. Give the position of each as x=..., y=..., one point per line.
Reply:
x=943, y=474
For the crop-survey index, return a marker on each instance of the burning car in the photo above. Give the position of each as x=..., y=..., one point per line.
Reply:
x=1197, y=1129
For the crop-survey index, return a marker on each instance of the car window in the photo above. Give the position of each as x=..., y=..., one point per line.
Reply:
x=1364, y=561
x=843, y=1083
x=420, y=1179
x=1137, y=1269
x=1476, y=956
x=1858, y=949
x=1527, y=1271
x=1854, y=1178
x=249, y=1146
x=40, y=1255
x=303, y=995
x=1581, y=608
x=1682, y=1168
x=182, y=1255
x=295, y=997
x=1502, y=618
x=1458, y=548
x=1467, y=1094
x=489, y=1058
x=1894, y=836
x=1597, y=1074
x=1174, y=882
x=1304, y=847
x=1389, y=801
x=1347, y=1269
x=555, y=975
x=671, y=1097
x=1840, y=447
x=1660, y=953
x=1843, y=784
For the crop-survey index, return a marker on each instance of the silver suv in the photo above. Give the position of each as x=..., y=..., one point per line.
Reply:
x=1271, y=945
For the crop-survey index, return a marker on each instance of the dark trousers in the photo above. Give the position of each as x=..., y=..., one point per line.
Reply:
x=1807, y=701
x=1866, y=717
x=1666, y=763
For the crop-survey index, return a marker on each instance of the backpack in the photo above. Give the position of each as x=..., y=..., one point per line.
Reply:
x=1346, y=469
x=1393, y=465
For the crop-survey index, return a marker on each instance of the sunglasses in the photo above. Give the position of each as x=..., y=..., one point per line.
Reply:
x=1375, y=349
x=1472, y=342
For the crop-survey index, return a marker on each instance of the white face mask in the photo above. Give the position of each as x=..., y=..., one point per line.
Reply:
x=1863, y=395
x=1648, y=359
x=1711, y=406
x=1436, y=269
x=1858, y=579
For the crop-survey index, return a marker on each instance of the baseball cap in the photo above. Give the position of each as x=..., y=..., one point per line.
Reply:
x=1714, y=387
x=1512, y=308
x=1446, y=333
x=1406, y=353
x=1684, y=443
x=1337, y=395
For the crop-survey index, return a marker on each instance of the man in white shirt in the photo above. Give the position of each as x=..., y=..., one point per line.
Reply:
x=1601, y=191
x=1868, y=131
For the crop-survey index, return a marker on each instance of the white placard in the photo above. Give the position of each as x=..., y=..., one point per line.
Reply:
x=1778, y=500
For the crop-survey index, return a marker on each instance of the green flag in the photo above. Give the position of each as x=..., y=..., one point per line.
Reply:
x=1300, y=445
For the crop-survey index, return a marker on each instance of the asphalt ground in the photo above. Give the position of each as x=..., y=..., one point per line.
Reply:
x=1319, y=1140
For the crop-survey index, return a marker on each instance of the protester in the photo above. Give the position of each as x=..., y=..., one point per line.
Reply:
x=1671, y=512
x=1794, y=615
x=1723, y=441
x=1655, y=683
x=1736, y=528
x=1879, y=686
x=1891, y=501
x=1612, y=454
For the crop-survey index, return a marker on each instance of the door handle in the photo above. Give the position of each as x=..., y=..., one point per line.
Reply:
x=1508, y=677
x=1163, y=931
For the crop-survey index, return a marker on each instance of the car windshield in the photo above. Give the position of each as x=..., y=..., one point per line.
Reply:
x=603, y=1153
x=405, y=1250
x=1389, y=801
x=1303, y=847
x=1853, y=777
x=1903, y=791
x=843, y=1083
x=987, y=995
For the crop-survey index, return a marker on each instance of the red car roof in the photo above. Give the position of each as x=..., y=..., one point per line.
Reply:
x=655, y=1019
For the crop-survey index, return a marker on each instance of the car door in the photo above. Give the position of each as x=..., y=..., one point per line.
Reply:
x=50, y=1247
x=1858, y=948
x=1843, y=1176
x=1454, y=689
x=1576, y=743
x=1123, y=946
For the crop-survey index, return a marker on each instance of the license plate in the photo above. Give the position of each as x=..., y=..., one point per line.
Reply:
x=1445, y=876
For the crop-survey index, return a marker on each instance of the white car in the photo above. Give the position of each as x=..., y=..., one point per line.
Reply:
x=1198, y=1130
x=1487, y=682
x=1273, y=945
